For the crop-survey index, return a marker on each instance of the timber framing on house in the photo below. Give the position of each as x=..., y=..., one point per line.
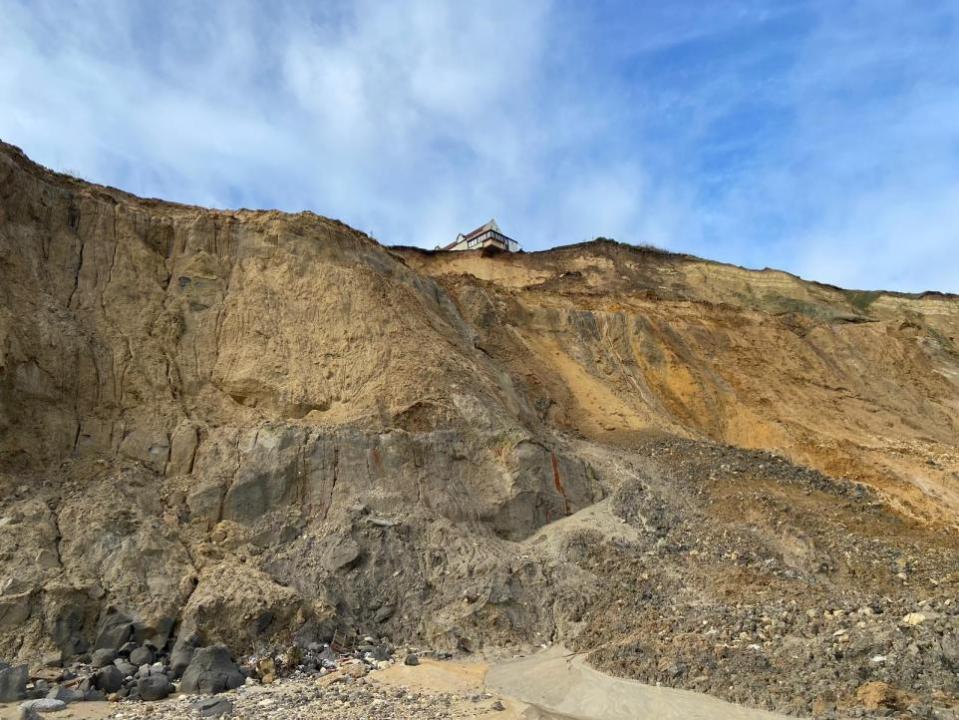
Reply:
x=488, y=235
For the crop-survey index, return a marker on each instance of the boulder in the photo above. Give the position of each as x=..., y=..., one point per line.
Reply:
x=211, y=671
x=154, y=687
x=13, y=683
x=125, y=667
x=411, y=659
x=162, y=633
x=32, y=708
x=64, y=694
x=114, y=631
x=103, y=657
x=142, y=656
x=108, y=679
x=182, y=653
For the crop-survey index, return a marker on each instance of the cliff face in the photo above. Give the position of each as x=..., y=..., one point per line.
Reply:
x=617, y=341
x=183, y=388
x=262, y=425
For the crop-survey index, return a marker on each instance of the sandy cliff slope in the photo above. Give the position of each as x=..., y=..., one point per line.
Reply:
x=263, y=427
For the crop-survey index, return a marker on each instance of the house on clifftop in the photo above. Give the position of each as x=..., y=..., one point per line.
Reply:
x=488, y=235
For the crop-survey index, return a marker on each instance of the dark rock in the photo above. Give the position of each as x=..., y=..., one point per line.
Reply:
x=212, y=707
x=103, y=657
x=154, y=687
x=140, y=633
x=13, y=683
x=94, y=695
x=114, y=632
x=182, y=653
x=40, y=688
x=69, y=625
x=163, y=633
x=125, y=667
x=382, y=652
x=108, y=679
x=67, y=695
x=142, y=656
x=411, y=659
x=127, y=648
x=211, y=671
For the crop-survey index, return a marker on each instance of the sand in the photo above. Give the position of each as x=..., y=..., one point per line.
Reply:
x=556, y=684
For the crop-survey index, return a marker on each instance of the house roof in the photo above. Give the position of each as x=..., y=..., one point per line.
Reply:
x=491, y=225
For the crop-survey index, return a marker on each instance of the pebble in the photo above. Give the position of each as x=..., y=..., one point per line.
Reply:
x=302, y=698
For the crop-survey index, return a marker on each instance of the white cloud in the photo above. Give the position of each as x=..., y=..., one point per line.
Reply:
x=416, y=120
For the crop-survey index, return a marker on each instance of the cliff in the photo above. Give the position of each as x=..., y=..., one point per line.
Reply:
x=264, y=426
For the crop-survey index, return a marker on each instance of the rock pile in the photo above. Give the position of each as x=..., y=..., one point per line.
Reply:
x=337, y=695
x=131, y=663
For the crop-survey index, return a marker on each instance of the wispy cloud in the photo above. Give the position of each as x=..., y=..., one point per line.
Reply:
x=814, y=136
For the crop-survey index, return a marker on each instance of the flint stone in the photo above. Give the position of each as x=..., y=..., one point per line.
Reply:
x=13, y=683
x=108, y=679
x=103, y=657
x=142, y=656
x=154, y=687
x=211, y=671
x=212, y=707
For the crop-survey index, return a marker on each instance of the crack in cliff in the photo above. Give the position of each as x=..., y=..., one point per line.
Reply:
x=77, y=270
x=58, y=540
x=335, y=468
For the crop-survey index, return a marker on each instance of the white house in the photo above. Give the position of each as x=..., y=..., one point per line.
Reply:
x=484, y=236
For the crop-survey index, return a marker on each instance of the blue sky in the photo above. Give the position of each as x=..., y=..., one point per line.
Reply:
x=819, y=137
